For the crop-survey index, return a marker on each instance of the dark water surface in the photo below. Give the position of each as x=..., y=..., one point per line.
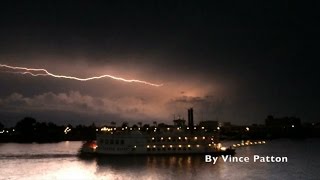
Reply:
x=60, y=161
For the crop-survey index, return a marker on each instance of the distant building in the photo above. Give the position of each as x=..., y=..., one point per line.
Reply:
x=209, y=125
x=226, y=124
x=286, y=122
x=179, y=122
x=283, y=127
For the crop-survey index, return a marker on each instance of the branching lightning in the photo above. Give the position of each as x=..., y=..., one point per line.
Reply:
x=44, y=72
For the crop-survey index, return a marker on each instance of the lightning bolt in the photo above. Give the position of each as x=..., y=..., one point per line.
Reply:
x=44, y=72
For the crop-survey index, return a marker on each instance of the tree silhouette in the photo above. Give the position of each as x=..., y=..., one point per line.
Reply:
x=155, y=123
x=140, y=124
x=93, y=125
x=135, y=127
x=26, y=125
x=113, y=123
x=145, y=126
x=124, y=124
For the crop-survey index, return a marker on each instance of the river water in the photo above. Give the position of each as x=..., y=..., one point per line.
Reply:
x=60, y=161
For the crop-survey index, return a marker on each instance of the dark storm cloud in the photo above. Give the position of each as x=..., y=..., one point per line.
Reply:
x=73, y=102
x=255, y=58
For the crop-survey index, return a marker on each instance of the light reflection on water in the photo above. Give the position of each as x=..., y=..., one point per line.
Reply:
x=60, y=161
x=148, y=167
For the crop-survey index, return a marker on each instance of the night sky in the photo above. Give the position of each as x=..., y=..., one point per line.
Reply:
x=231, y=61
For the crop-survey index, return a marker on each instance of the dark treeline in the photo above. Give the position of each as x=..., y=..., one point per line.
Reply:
x=29, y=130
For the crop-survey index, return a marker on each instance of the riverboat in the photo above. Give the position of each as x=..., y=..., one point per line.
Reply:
x=167, y=139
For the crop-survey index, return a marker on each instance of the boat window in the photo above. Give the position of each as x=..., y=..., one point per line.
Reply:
x=111, y=141
x=117, y=141
x=106, y=141
x=122, y=141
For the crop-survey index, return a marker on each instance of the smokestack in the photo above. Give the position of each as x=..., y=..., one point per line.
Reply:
x=190, y=119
